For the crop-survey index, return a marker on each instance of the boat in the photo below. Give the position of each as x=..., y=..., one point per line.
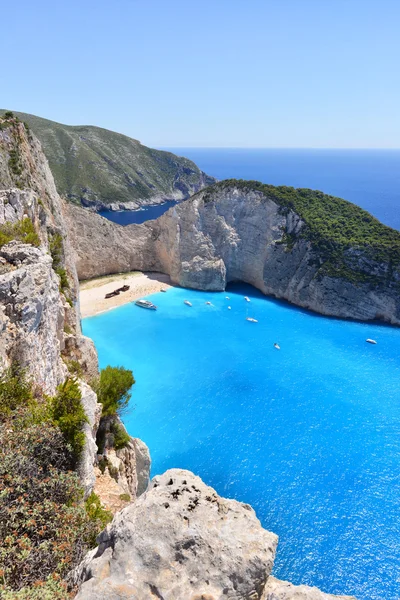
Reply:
x=371, y=341
x=146, y=304
x=251, y=320
x=229, y=308
x=112, y=294
x=209, y=303
x=277, y=346
x=187, y=303
x=227, y=297
x=163, y=290
x=124, y=288
x=247, y=299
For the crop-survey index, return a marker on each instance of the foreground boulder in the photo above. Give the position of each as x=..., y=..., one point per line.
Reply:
x=181, y=541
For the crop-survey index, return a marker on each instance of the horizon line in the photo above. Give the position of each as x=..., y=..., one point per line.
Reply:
x=277, y=148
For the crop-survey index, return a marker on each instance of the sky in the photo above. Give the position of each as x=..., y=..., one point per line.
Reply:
x=209, y=73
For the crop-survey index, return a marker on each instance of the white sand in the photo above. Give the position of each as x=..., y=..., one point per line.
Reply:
x=92, y=292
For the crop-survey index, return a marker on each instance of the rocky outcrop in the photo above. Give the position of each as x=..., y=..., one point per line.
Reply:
x=234, y=233
x=283, y=590
x=125, y=471
x=181, y=541
x=31, y=314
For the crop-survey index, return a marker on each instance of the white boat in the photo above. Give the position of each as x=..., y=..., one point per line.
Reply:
x=229, y=308
x=227, y=297
x=277, y=346
x=146, y=304
x=163, y=290
x=209, y=303
x=247, y=299
x=371, y=341
x=187, y=302
x=251, y=320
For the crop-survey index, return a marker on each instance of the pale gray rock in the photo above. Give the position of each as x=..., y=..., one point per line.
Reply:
x=88, y=458
x=283, y=590
x=142, y=465
x=229, y=234
x=31, y=315
x=179, y=541
x=130, y=464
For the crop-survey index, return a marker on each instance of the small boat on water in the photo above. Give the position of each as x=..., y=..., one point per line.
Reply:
x=247, y=299
x=229, y=308
x=251, y=320
x=163, y=290
x=146, y=304
x=187, y=303
x=227, y=297
x=277, y=346
x=209, y=303
x=371, y=341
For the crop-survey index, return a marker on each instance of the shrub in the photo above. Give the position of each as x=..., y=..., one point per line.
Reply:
x=121, y=437
x=23, y=231
x=15, y=390
x=125, y=497
x=44, y=527
x=112, y=389
x=74, y=367
x=56, y=251
x=69, y=415
x=51, y=589
x=8, y=115
x=97, y=514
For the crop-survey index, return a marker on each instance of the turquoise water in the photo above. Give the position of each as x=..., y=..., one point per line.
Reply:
x=309, y=435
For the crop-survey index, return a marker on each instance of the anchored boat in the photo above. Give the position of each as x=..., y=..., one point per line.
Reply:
x=371, y=341
x=187, y=302
x=146, y=304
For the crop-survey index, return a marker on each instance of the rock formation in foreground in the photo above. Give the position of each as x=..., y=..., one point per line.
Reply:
x=181, y=541
x=314, y=250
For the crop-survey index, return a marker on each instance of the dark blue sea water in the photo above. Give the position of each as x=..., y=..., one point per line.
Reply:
x=369, y=178
x=127, y=217
x=309, y=434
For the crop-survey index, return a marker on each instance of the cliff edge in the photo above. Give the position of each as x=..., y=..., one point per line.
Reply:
x=314, y=250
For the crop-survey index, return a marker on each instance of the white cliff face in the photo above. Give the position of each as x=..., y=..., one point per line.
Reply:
x=230, y=234
x=31, y=314
x=39, y=328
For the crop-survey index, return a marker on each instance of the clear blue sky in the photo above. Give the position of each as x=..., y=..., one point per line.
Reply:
x=243, y=73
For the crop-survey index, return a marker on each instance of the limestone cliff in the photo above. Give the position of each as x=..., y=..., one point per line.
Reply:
x=39, y=302
x=318, y=252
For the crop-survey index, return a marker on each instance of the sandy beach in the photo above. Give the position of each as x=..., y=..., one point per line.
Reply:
x=92, y=292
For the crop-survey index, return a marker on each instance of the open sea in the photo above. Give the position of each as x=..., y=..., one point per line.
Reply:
x=369, y=178
x=309, y=435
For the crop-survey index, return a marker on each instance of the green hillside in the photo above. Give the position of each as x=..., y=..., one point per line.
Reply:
x=96, y=166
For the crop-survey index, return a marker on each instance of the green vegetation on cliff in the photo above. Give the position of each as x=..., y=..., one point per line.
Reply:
x=23, y=231
x=93, y=165
x=343, y=234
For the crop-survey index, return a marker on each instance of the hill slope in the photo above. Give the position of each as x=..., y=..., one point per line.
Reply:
x=97, y=167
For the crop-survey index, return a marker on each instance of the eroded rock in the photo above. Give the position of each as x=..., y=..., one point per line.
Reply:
x=180, y=541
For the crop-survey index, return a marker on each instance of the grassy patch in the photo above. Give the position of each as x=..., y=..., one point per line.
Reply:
x=23, y=231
